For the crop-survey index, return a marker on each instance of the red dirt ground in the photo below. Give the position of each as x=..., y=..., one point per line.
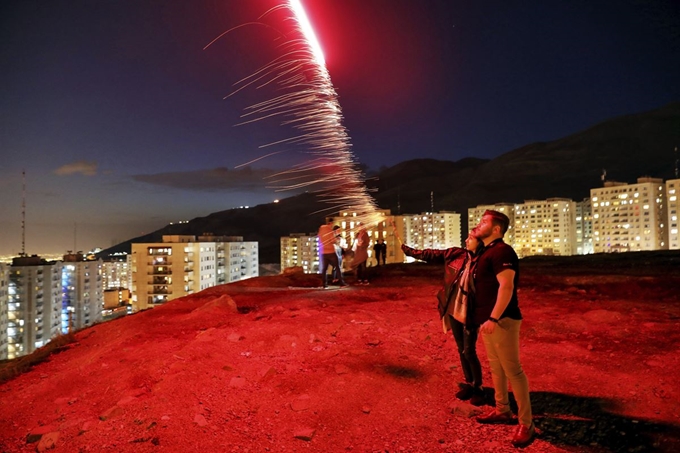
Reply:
x=271, y=364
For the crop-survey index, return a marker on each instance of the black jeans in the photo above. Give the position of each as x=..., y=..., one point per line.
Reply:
x=329, y=259
x=466, y=340
x=361, y=271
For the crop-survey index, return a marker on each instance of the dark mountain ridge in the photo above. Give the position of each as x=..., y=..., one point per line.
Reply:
x=627, y=147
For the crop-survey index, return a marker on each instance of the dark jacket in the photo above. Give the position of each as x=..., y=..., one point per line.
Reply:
x=454, y=259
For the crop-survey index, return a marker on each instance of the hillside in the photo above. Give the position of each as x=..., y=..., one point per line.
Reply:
x=277, y=364
x=627, y=147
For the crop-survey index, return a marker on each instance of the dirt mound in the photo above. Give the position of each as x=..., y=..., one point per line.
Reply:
x=364, y=369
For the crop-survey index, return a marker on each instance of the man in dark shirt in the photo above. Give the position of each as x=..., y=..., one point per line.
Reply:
x=377, y=252
x=496, y=309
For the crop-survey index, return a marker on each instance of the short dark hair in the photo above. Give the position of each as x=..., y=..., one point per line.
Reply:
x=498, y=219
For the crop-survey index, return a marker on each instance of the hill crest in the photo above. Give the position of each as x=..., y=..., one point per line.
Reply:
x=627, y=147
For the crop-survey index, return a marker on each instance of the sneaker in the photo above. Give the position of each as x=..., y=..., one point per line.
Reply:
x=478, y=397
x=465, y=393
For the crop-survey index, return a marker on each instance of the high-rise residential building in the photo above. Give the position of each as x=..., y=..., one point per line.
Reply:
x=380, y=231
x=4, y=285
x=545, y=227
x=630, y=217
x=182, y=265
x=673, y=202
x=443, y=228
x=240, y=258
x=34, y=304
x=432, y=230
x=584, y=227
x=475, y=215
x=425, y=230
x=300, y=249
x=82, y=299
x=116, y=273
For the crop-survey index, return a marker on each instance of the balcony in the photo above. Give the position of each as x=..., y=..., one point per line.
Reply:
x=160, y=272
x=157, y=299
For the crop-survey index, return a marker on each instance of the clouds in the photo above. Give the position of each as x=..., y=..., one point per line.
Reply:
x=82, y=167
x=215, y=179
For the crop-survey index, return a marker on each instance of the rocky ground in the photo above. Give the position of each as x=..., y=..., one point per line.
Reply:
x=276, y=364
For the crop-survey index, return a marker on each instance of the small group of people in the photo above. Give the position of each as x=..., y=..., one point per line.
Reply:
x=333, y=249
x=480, y=296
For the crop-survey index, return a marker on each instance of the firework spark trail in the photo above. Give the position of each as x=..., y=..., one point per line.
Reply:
x=309, y=103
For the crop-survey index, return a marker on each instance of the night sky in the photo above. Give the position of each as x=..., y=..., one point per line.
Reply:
x=117, y=114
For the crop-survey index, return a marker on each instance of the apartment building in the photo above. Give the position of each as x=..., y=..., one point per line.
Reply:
x=630, y=217
x=673, y=202
x=348, y=221
x=242, y=259
x=4, y=285
x=545, y=227
x=34, y=304
x=584, y=227
x=425, y=230
x=116, y=273
x=185, y=264
x=300, y=249
x=475, y=215
x=82, y=292
x=432, y=230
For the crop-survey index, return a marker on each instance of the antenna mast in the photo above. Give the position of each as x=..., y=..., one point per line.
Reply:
x=23, y=213
x=677, y=161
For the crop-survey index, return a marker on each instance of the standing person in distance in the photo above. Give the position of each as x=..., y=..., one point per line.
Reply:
x=360, y=249
x=383, y=250
x=496, y=275
x=454, y=300
x=376, y=252
x=327, y=254
x=339, y=245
